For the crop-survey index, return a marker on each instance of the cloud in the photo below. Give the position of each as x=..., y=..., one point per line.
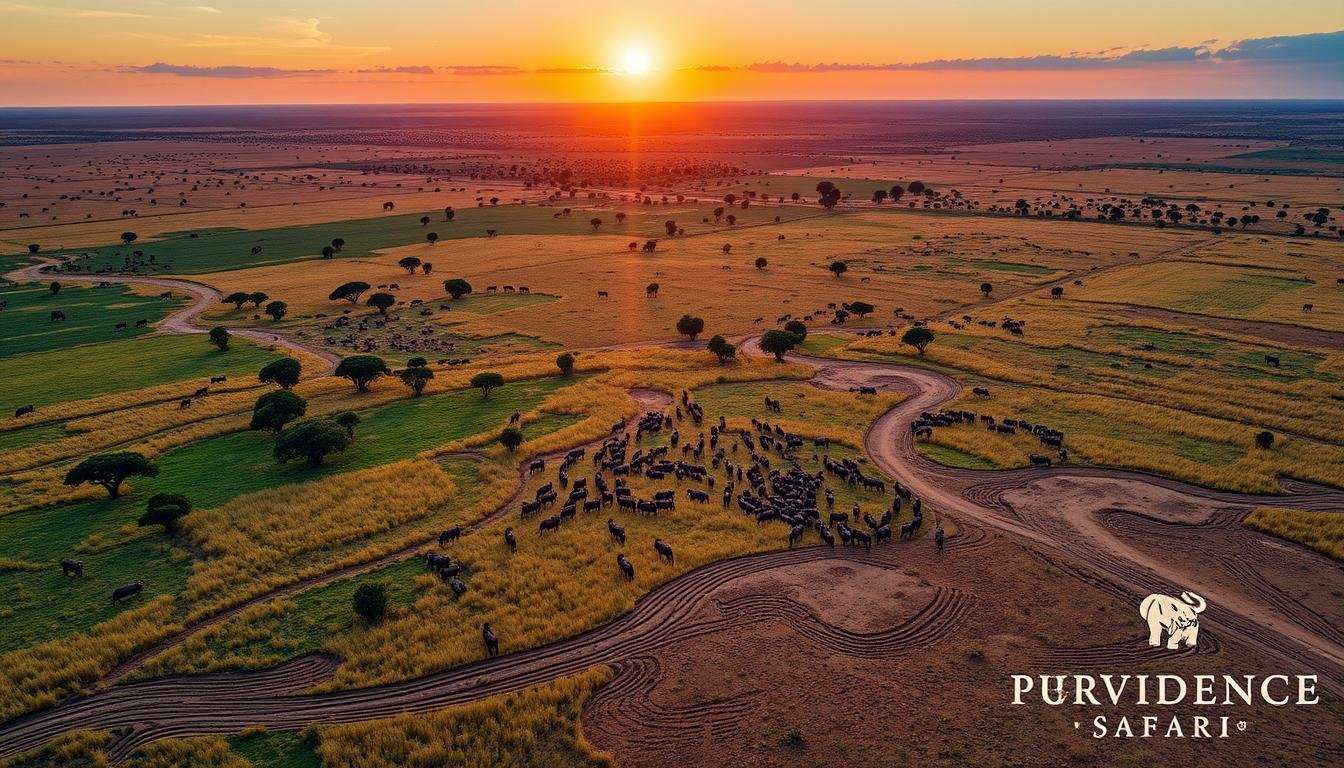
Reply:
x=483, y=70
x=70, y=13
x=203, y=9
x=1315, y=48
x=403, y=70
x=291, y=34
x=223, y=72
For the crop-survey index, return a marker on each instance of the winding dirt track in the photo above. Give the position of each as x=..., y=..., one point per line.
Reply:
x=184, y=320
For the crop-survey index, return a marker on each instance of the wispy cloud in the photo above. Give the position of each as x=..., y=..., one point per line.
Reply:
x=210, y=9
x=223, y=72
x=70, y=13
x=483, y=70
x=403, y=70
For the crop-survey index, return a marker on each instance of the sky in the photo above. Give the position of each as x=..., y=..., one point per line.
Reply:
x=149, y=52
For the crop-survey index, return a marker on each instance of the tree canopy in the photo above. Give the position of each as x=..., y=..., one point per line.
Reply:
x=487, y=382
x=410, y=263
x=565, y=362
x=690, y=326
x=722, y=349
x=284, y=371
x=457, y=287
x=861, y=308
x=277, y=310
x=165, y=509
x=777, y=342
x=416, y=377
x=918, y=337
x=219, y=336
x=797, y=328
x=511, y=438
x=838, y=267
x=350, y=291
x=277, y=408
x=361, y=369
x=312, y=440
x=237, y=299
x=110, y=470
x=370, y=602
x=382, y=302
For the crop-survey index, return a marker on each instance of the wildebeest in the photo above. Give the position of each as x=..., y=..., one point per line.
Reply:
x=908, y=530
x=69, y=566
x=1272, y=360
x=23, y=410
x=617, y=532
x=510, y=539
x=530, y=507
x=127, y=590
x=56, y=316
x=664, y=550
x=602, y=294
x=551, y=523
x=202, y=392
x=184, y=403
x=435, y=560
x=592, y=505
x=938, y=538
x=825, y=534
x=491, y=642
x=457, y=586
x=862, y=537
x=450, y=534
x=1307, y=307
x=981, y=391
x=882, y=533
x=1039, y=460
x=218, y=379
x=537, y=466
x=695, y=495
x=626, y=567
x=796, y=533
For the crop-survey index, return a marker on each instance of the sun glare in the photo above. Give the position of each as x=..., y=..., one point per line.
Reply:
x=636, y=61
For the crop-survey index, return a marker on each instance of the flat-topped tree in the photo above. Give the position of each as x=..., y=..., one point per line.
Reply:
x=256, y=297
x=431, y=238
x=797, y=328
x=337, y=243
x=110, y=470
x=312, y=440
x=457, y=287
x=328, y=252
x=986, y=288
x=382, y=302
x=129, y=237
x=409, y=263
x=838, y=268
x=761, y=262
x=896, y=192
x=276, y=309
x=284, y=372
x=237, y=299
x=487, y=382
x=918, y=337
x=861, y=308
x=777, y=342
x=416, y=377
x=595, y=223
x=690, y=326
x=361, y=370
x=350, y=291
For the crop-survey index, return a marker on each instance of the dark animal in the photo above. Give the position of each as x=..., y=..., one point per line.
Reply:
x=882, y=533
x=908, y=530
x=184, y=403
x=451, y=534
x=664, y=550
x=435, y=560
x=119, y=327
x=69, y=566
x=626, y=567
x=218, y=379
x=617, y=532
x=1039, y=460
x=491, y=642
x=938, y=538
x=795, y=533
x=23, y=410
x=127, y=590
x=981, y=391
x=57, y=316
x=695, y=495
x=141, y=323
x=1272, y=360
x=510, y=539
x=862, y=537
x=551, y=523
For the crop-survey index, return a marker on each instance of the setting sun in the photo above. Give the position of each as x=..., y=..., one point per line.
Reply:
x=636, y=61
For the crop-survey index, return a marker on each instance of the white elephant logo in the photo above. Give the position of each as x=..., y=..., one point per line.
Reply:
x=1178, y=618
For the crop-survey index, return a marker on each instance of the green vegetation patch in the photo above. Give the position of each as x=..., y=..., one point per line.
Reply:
x=953, y=457
x=275, y=749
x=91, y=315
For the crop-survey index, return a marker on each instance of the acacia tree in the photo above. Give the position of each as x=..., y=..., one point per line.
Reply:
x=361, y=370
x=284, y=372
x=110, y=470
x=986, y=289
x=165, y=509
x=690, y=326
x=595, y=222
x=777, y=342
x=722, y=349
x=838, y=268
x=487, y=382
x=416, y=377
x=511, y=438
x=431, y=237
x=861, y=308
x=277, y=408
x=409, y=263
x=311, y=439
x=350, y=291
x=219, y=336
x=276, y=309
x=382, y=302
x=918, y=337
x=237, y=299
x=565, y=362
x=797, y=328
x=457, y=287
x=760, y=262
x=129, y=237
x=256, y=297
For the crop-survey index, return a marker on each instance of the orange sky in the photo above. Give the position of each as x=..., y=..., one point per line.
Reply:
x=253, y=51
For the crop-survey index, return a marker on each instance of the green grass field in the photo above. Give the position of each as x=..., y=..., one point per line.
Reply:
x=211, y=472
x=278, y=749
x=62, y=375
x=952, y=457
x=91, y=315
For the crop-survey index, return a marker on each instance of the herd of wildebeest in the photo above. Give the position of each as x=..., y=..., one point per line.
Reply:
x=756, y=469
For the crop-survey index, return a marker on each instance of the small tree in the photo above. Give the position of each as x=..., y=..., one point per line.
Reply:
x=487, y=382
x=337, y=243
x=1265, y=439
x=34, y=247
x=416, y=378
x=165, y=509
x=284, y=372
x=382, y=302
x=277, y=310
x=918, y=337
x=410, y=264
x=760, y=262
x=797, y=328
x=370, y=602
x=565, y=362
x=237, y=299
x=595, y=223
x=110, y=470
x=328, y=251
x=219, y=336
x=256, y=297
x=722, y=349
x=839, y=268
x=777, y=342
x=424, y=221
x=311, y=439
x=986, y=289
x=55, y=287
x=277, y=408
x=431, y=238
x=350, y=291
x=511, y=438
x=361, y=370
x=651, y=290
x=861, y=308
x=348, y=421
x=129, y=237
x=457, y=287
x=690, y=326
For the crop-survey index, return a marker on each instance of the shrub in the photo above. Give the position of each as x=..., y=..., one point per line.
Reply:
x=1265, y=439
x=565, y=362
x=457, y=287
x=371, y=602
x=511, y=438
x=284, y=372
x=311, y=439
x=165, y=509
x=219, y=336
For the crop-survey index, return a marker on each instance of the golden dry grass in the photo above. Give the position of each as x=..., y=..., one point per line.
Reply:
x=536, y=728
x=1321, y=531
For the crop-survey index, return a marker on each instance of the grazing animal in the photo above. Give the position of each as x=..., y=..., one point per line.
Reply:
x=127, y=591
x=184, y=403
x=602, y=294
x=202, y=392
x=69, y=566
x=617, y=532
x=434, y=560
x=457, y=586
x=57, y=316
x=981, y=391
x=882, y=533
x=551, y=523
x=141, y=323
x=23, y=410
x=1039, y=460
x=626, y=568
x=664, y=550
x=1272, y=360
x=491, y=642
x=218, y=379
x=451, y=534
x=537, y=466
x=695, y=495
x=1307, y=307
x=795, y=533
x=510, y=539
x=908, y=530
x=938, y=538
x=862, y=537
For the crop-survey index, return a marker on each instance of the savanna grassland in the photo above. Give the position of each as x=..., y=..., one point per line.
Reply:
x=1139, y=294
